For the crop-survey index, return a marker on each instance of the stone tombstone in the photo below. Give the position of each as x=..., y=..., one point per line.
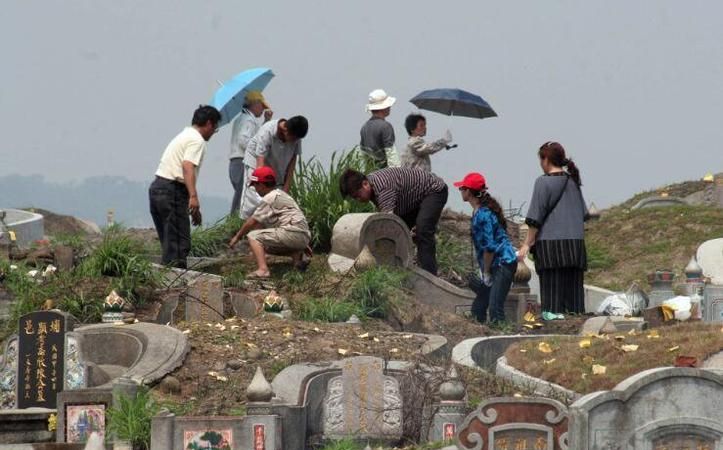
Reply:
x=8, y=374
x=713, y=303
x=386, y=236
x=63, y=258
x=710, y=259
x=663, y=408
x=661, y=286
x=510, y=423
x=204, y=300
x=363, y=402
x=41, y=358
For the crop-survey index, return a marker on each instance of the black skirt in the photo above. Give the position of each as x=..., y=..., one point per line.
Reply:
x=561, y=265
x=559, y=254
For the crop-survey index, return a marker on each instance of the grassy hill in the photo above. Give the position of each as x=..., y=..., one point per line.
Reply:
x=625, y=245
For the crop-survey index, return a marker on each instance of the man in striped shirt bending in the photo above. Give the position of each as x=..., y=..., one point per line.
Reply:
x=416, y=196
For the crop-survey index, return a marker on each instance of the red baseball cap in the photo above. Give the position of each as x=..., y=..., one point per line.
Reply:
x=263, y=174
x=473, y=180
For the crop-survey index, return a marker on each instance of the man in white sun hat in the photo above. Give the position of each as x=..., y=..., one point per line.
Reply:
x=377, y=135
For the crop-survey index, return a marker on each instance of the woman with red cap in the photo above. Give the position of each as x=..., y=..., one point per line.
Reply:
x=495, y=254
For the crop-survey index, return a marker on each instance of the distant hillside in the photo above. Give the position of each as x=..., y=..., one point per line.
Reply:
x=91, y=199
x=625, y=245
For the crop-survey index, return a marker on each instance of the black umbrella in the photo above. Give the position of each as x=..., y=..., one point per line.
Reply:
x=454, y=102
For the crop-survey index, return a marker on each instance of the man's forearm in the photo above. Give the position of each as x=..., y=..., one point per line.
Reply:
x=249, y=225
x=189, y=179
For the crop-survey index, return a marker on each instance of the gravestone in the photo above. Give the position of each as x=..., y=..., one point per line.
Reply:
x=244, y=305
x=508, y=423
x=655, y=409
x=41, y=358
x=363, y=402
x=63, y=258
x=713, y=303
x=661, y=287
x=204, y=300
x=659, y=201
x=710, y=259
x=386, y=236
x=8, y=375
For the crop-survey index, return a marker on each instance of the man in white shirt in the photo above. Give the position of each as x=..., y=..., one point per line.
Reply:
x=277, y=144
x=243, y=129
x=173, y=194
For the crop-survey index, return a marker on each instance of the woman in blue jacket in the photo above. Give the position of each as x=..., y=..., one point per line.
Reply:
x=496, y=256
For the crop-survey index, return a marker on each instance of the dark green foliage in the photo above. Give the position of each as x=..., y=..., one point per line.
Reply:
x=316, y=190
x=131, y=419
x=327, y=310
x=374, y=290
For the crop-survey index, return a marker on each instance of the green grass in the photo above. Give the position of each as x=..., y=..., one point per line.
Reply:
x=624, y=246
x=130, y=420
x=211, y=240
x=121, y=257
x=375, y=290
x=316, y=191
x=327, y=309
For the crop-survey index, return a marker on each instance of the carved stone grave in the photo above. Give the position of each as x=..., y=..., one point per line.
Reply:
x=204, y=300
x=363, y=402
x=710, y=259
x=385, y=235
x=41, y=358
x=533, y=423
x=713, y=303
x=671, y=408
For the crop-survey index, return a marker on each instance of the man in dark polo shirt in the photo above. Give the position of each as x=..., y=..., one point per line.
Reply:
x=416, y=196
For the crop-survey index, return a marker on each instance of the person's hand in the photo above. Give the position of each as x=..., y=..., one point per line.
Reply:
x=196, y=218
x=234, y=240
x=486, y=278
x=447, y=136
x=522, y=252
x=268, y=114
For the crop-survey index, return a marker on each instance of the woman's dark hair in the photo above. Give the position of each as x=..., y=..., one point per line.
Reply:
x=490, y=202
x=203, y=114
x=410, y=123
x=351, y=182
x=298, y=126
x=555, y=154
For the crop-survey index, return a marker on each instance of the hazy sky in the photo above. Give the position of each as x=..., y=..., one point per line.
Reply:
x=633, y=90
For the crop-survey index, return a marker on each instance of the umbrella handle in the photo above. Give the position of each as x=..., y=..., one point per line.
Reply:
x=450, y=147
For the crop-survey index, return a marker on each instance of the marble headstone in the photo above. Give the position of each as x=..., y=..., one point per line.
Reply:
x=710, y=259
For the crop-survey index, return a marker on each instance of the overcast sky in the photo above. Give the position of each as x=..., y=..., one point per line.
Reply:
x=633, y=90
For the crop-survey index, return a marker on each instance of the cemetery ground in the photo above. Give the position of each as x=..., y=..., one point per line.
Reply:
x=624, y=245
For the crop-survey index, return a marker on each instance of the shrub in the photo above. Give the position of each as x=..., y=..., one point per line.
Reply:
x=211, y=240
x=316, y=190
x=131, y=419
x=122, y=258
x=327, y=310
x=374, y=290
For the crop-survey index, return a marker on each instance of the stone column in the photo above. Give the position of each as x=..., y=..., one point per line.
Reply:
x=451, y=410
x=162, y=430
x=661, y=283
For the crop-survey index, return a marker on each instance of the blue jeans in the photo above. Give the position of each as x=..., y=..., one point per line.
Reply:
x=494, y=296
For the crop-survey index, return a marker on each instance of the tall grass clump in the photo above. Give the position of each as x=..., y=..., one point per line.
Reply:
x=130, y=420
x=316, y=190
x=211, y=240
x=375, y=290
x=121, y=257
x=327, y=310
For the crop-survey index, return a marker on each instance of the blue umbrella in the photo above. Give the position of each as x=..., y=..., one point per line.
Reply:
x=229, y=98
x=454, y=102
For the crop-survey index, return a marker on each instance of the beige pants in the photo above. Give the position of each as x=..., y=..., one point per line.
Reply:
x=280, y=241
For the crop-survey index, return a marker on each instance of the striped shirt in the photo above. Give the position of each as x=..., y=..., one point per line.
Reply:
x=401, y=190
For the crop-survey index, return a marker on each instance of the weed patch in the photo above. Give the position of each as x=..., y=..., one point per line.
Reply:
x=211, y=240
x=130, y=420
x=375, y=290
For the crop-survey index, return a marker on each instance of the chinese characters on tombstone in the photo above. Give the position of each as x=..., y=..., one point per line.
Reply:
x=41, y=357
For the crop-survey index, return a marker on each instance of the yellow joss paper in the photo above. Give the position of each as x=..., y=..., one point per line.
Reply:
x=619, y=338
x=549, y=361
x=529, y=317
x=585, y=343
x=527, y=325
x=672, y=349
x=653, y=334
x=544, y=347
x=629, y=348
x=598, y=369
